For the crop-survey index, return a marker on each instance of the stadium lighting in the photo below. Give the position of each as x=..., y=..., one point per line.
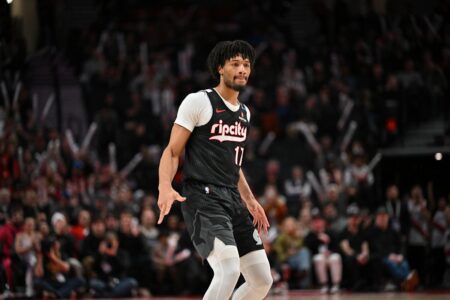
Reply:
x=9, y=1
x=438, y=156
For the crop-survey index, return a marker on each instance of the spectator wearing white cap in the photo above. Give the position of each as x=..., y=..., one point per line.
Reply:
x=66, y=241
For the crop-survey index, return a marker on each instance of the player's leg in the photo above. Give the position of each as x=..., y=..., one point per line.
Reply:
x=258, y=279
x=209, y=226
x=254, y=263
x=224, y=260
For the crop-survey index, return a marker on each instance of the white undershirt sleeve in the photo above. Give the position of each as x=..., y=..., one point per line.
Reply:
x=194, y=111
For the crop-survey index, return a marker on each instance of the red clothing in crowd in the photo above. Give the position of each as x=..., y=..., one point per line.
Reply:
x=7, y=234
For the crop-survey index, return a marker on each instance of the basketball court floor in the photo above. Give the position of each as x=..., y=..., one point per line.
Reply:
x=345, y=296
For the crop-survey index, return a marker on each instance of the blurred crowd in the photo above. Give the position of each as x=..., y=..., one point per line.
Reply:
x=81, y=220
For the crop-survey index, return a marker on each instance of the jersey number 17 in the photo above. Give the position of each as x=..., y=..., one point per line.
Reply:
x=239, y=155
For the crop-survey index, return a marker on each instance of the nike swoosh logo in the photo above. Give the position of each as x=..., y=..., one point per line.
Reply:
x=219, y=110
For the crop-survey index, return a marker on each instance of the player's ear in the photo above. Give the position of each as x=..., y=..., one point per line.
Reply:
x=220, y=70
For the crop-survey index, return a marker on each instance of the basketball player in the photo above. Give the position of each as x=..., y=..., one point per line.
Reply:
x=212, y=126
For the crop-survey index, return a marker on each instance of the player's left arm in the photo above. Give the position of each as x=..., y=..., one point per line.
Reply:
x=253, y=206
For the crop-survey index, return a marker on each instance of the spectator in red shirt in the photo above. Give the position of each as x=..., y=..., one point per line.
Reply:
x=81, y=229
x=8, y=233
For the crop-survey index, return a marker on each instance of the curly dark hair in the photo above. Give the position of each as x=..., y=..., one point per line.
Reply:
x=225, y=50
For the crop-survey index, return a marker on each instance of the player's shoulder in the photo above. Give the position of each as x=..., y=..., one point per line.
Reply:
x=202, y=94
x=196, y=102
x=197, y=98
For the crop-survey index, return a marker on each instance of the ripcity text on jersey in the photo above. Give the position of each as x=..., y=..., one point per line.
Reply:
x=214, y=151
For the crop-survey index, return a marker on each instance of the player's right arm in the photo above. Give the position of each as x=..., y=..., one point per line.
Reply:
x=195, y=110
x=168, y=167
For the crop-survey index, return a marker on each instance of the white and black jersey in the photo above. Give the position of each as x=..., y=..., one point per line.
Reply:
x=214, y=154
x=215, y=150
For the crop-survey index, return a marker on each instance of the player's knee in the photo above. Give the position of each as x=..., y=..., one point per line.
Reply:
x=224, y=261
x=256, y=269
x=259, y=277
x=230, y=270
x=267, y=285
x=266, y=281
x=262, y=283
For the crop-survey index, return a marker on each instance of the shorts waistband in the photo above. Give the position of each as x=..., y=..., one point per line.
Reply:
x=197, y=182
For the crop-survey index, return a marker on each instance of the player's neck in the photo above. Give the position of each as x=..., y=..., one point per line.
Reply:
x=228, y=94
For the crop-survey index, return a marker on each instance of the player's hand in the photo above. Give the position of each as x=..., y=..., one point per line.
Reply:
x=259, y=216
x=165, y=201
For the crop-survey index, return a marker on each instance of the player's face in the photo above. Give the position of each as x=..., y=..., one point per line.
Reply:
x=235, y=73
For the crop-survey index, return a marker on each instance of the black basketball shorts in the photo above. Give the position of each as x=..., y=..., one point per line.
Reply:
x=211, y=212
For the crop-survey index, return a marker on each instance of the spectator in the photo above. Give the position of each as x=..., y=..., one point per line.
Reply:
x=337, y=197
x=355, y=252
x=398, y=212
x=419, y=235
x=91, y=244
x=305, y=217
x=112, y=222
x=53, y=277
x=148, y=229
x=81, y=230
x=5, y=199
x=109, y=280
x=30, y=203
x=136, y=260
x=290, y=249
x=386, y=252
x=8, y=233
x=164, y=262
x=9, y=164
x=272, y=177
x=297, y=190
x=176, y=264
x=324, y=250
x=27, y=245
x=359, y=179
x=66, y=241
x=285, y=113
x=335, y=221
x=439, y=225
x=274, y=205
